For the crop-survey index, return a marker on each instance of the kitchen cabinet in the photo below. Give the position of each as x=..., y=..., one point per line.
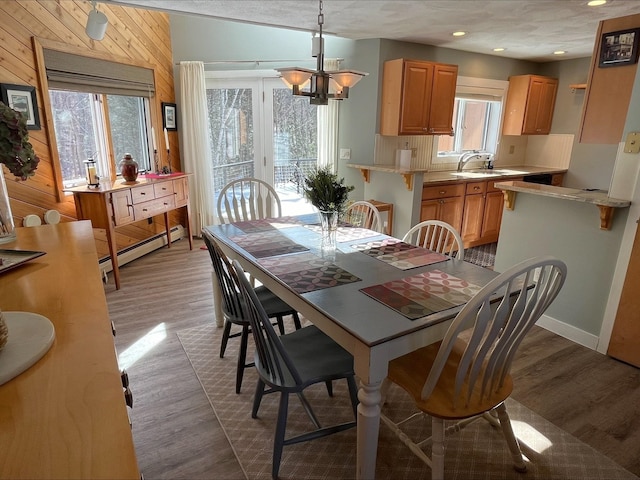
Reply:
x=417, y=98
x=529, y=106
x=444, y=203
x=482, y=213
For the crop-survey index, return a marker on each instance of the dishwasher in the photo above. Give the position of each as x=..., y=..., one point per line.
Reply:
x=543, y=178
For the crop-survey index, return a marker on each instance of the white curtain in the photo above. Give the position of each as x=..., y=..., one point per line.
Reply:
x=328, y=126
x=195, y=144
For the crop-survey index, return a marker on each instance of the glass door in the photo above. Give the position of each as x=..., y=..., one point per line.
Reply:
x=257, y=128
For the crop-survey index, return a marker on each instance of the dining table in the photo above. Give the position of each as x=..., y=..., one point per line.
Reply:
x=376, y=296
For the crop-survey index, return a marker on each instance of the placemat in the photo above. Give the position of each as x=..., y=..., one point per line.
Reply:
x=345, y=233
x=266, y=224
x=306, y=272
x=400, y=254
x=267, y=244
x=420, y=295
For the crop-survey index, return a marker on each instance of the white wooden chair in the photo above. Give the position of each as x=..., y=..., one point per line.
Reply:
x=466, y=377
x=436, y=236
x=248, y=199
x=364, y=215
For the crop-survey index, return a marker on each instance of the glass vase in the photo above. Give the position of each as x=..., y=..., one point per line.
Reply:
x=7, y=227
x=329, y=229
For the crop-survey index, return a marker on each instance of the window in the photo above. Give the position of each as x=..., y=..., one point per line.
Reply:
x=100, y=109
x=476, y=119
x=82, y=120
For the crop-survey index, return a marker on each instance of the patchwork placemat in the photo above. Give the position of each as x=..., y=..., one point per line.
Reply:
x=306, y=272
x=345, y=233
x=400, y=254
x=420, y=295
x=267, y=224
x=267, y=244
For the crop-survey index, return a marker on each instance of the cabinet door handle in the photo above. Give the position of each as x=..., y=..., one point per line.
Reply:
x=476, y=188
x=442, y=192
x=142, y=193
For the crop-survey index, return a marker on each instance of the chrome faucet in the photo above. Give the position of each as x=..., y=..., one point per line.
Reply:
x=465, y=157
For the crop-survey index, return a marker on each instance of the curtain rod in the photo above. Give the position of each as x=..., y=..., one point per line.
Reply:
x=258, y=62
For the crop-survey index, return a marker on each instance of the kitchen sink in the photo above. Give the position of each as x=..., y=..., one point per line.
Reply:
x=487, y=173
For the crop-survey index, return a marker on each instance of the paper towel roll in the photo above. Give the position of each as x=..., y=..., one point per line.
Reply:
x=403, y=159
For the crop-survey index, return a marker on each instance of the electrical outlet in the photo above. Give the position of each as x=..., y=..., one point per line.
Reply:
x=512, y=148
x=345, y=154
x=414, y=153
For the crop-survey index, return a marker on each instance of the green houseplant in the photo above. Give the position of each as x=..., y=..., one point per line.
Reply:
x=329, y=195
x=17, y=154
x=326, y=191
x=15, y=150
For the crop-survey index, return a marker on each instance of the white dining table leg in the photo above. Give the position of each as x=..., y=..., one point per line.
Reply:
x=217, y=301
x=368, y=428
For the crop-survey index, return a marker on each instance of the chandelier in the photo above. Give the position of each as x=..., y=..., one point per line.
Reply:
x=319, y=81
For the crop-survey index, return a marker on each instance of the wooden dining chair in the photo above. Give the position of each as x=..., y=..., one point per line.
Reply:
x=466, y=375
x=248, y=199
x=364, y=214
x=437, y=236
x=290, y=363
x=234, y=308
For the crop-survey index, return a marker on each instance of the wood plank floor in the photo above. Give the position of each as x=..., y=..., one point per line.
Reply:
x=177, y=436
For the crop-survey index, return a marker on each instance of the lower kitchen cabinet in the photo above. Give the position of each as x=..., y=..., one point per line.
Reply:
x=444, y=203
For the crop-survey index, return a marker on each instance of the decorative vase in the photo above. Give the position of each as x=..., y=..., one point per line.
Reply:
x=128, y=168
x=329, y=228
x=4, y=331
x=7, y=227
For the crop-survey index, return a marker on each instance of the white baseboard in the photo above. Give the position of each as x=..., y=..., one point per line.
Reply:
x=136, y=251
x=568, y=331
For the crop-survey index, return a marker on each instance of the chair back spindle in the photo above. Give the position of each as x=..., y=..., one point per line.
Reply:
x=248, y=199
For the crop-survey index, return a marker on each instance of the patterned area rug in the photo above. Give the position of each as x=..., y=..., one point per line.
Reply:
x=483, y=255
x=477, y=452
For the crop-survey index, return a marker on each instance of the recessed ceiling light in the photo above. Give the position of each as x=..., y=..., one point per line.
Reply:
x=499, y=49
x=459, y=34
x=559, y=52
x=596, y=3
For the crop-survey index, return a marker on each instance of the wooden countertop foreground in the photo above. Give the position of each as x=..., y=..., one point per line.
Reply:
x=65, y=417
x=605, y=203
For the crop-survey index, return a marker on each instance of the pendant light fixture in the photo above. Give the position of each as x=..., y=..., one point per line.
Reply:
x=96, y=23
x=319, y=80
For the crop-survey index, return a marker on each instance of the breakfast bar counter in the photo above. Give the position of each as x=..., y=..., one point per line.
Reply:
x=605, y=203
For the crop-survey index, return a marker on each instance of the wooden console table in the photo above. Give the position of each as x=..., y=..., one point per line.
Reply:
x=65, y=416
x=120, y=203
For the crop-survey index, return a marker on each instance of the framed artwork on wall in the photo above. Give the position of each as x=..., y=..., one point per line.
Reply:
x=169, y=117
x=619, y=48
x=22, y=98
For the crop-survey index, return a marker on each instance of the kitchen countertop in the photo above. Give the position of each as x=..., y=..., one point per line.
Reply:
x=600, y=198
x=434, y=177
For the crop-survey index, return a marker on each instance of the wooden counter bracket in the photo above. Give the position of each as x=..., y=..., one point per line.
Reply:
x=606, y=216
x=366, y=174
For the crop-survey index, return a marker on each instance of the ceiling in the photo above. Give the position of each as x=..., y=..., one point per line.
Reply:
x=528, y=30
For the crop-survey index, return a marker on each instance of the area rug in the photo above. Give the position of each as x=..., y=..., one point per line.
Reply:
x=477, y=452
x=483, y=255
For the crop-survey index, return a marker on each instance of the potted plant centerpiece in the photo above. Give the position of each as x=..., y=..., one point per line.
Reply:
x=329, y=195
x=17, y=154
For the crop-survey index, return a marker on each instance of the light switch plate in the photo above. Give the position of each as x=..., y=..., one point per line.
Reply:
x=632, y=145
x=345, y=154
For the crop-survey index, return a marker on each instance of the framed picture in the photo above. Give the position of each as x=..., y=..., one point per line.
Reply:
x=22, y=98
x=169, y=118
x=619, y=48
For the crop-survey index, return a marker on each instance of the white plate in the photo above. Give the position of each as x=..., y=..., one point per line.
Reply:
x=52, y=217
x=30, y=337
x=31, y=221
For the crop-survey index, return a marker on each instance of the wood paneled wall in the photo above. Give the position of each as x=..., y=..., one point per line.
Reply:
x=134, y=36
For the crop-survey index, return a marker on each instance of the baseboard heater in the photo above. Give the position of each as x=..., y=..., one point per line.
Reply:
x=140, y=249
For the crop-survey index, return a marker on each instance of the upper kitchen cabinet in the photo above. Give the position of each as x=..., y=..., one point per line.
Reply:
x=417, y=98
x=530, y=103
